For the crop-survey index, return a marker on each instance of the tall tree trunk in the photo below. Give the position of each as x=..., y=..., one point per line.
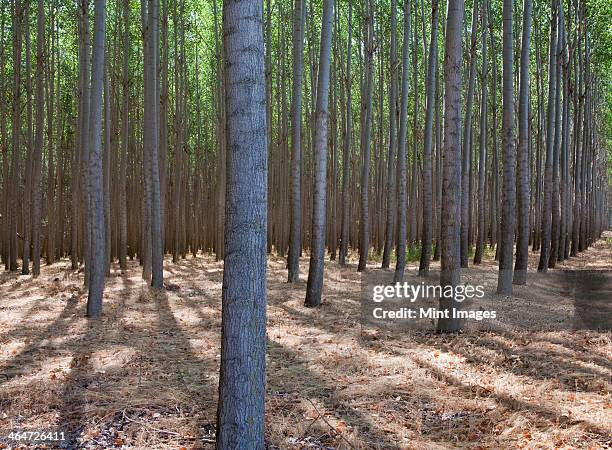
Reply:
x=391, y=192
x=550, y=131
x=125, y=132
x=364, y=226
x=402, y=152
x=96, y=211
x=27, y=201
x=346, y=154
x=508, y=213
x=524, y=182
x=39, y=140
x=295, y=240
x=466, y=147
x=450, y=273
x=314, y=287
x=240, y=413
x=482, y=155
x=427, y=197
x=13, y=197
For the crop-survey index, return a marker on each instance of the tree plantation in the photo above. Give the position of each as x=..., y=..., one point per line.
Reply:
x=305, y=224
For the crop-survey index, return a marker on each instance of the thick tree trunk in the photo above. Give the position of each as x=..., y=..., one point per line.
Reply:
x=240, y=413
x=125, y=132
x=450, y=273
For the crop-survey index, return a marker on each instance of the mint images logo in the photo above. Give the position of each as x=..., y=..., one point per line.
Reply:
x=415, y=303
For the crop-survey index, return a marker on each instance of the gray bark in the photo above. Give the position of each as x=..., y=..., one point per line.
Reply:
x=450, y=273
x=96, y=210
x=295, y=239
x=524, y=182
x=314, y=287
x=402, y=152
x=240, y=413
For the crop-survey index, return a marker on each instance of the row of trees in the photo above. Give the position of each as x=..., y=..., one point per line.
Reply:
x=183, y=130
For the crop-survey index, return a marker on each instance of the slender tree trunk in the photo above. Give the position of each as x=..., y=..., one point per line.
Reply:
x=524, y=182
x=346, y=155
x=125, y=132
x=295, y=240
x=482, y=155
x=466, y=153
x=314, y=287
x=391, y=192
x=364, y=226
x=450, y=273
x=39, y=140
x=508, y=213
x=96, y=212
x=27, y=201
x=427, y=196
x=550, y=130
x=240, y=413
x=402, y=152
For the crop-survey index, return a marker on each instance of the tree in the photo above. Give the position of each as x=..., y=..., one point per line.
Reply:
x=346, y=155
x=314, y=287
x=427, y=196
x=550, y=131
x=504, y=278
x=391, y=208
x=450, y=273
x=96, y=210
x=482, y=154
x=367, y=87
x=466, y=148
x=39, y=139
x=295, y=240
x=524, y=182
x=402, y=197
x=240, y=413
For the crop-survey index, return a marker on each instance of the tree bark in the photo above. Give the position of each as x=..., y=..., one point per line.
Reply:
x=314, y=287
x=240, y=413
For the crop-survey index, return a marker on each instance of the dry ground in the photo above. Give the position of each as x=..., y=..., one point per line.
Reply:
x=145, y=376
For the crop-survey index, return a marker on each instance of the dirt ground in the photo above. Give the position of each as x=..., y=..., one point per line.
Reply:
x=146, y=375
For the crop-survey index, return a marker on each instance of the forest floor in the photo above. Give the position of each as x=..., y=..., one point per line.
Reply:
x=145, y=376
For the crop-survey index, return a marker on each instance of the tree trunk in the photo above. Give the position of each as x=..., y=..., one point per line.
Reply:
x=550, y=130
x=364, y=226
x=96, y=211
x=427, y=197
x=346, y=155
x=450, y=273
x=240, y=413
x=524, y=182
x=508, y=213
x=391, y=206
x=402, y=152
x=482, y=155
x=295, y=240
x=314, y=287
x=466, y=153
